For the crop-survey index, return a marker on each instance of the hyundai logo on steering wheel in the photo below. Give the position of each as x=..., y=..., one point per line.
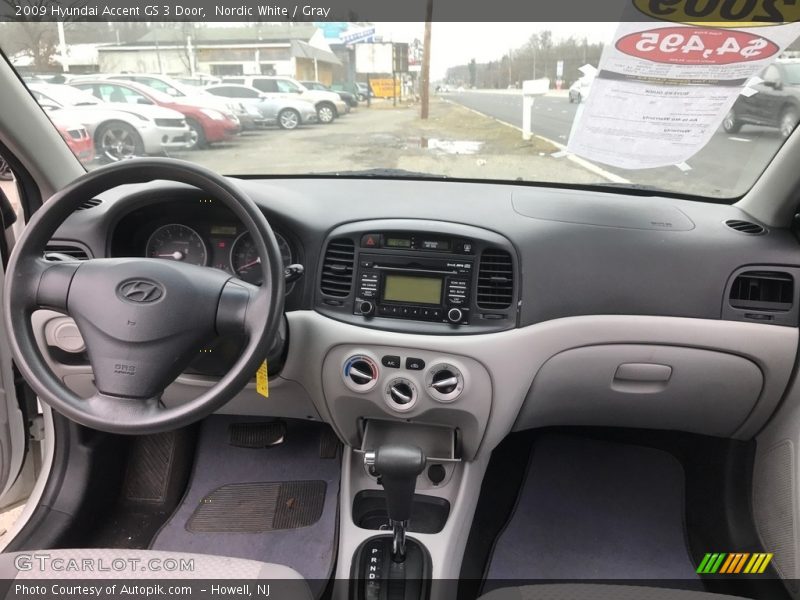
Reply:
x=140, y=290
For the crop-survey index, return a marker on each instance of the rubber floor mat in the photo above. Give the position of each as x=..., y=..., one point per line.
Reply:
x=220, y=466
x=256, y=434
x=257, y=507
x=592, y=509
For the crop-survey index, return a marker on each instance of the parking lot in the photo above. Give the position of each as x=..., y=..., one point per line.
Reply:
x=453, y=142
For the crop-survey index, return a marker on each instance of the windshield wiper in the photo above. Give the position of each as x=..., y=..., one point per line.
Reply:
x=383, y=172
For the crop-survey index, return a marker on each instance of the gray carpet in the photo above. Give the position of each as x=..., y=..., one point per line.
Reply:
x=592, y=509
x=311, y=549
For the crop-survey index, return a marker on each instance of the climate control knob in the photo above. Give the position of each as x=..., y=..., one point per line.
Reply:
x=401, y=394
x=454, y=315
x=445, y=382
x=360, y=373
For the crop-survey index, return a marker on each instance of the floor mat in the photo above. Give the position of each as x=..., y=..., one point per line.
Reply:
x=258, y=507
x=592, y=509
x=286, y=493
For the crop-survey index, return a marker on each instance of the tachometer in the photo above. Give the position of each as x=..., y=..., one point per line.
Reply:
x=245, y=262
x=177, y=242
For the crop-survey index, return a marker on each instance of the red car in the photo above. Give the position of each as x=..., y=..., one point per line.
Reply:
x=76, y=136
x=207, y=120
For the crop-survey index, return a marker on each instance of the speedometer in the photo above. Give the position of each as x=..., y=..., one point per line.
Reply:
x=177, y=242
x=245, y=262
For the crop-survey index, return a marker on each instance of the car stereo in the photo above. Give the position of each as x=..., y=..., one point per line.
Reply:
x=414, y=276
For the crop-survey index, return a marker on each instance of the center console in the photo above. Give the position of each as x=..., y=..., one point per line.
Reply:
x=419, y=276
x=413, y=418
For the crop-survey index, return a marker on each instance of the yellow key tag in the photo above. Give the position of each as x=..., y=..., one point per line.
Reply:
x=262, y=380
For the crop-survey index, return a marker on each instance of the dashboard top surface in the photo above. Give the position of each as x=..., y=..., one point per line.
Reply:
x=579, y=252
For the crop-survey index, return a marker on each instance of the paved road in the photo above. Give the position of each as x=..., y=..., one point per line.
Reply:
x=727, y=166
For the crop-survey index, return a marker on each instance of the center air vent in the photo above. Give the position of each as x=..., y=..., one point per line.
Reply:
x=763, y=290
x=745, y=227
x=62, y=251
x=495, y=280
x=337, y=268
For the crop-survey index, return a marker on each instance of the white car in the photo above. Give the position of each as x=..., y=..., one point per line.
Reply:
x=329, y=105
x=118, y=131
x=189, y=94
x=287, y=113
x=579, y=91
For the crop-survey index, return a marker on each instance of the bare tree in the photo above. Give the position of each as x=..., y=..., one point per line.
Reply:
x=37, y=39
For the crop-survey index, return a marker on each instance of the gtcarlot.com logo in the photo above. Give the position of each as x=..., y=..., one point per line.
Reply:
x=734, y=563
x=45, y=562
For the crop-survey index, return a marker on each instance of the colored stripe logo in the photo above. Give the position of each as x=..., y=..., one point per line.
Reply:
x=734, y=563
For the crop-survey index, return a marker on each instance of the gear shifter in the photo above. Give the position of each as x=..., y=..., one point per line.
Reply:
x=398, y=467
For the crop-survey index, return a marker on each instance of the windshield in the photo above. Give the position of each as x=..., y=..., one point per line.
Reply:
x=671, y=107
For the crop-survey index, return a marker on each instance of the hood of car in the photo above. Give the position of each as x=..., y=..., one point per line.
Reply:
x=148, y=111
x=209, y=101
x=91, y=116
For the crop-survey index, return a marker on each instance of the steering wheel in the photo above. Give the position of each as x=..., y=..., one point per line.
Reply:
x=142, y=319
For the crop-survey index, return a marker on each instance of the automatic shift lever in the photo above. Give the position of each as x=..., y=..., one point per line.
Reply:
x=398, y=466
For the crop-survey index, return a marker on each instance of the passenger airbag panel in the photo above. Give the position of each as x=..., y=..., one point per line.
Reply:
x=647, y=386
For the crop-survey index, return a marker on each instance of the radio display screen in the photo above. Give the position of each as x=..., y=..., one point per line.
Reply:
x=415, y=290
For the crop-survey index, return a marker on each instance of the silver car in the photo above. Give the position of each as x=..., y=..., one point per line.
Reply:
x=287, y=113
x=118, y=132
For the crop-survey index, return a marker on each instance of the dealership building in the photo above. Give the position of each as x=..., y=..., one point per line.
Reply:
x=297, y=50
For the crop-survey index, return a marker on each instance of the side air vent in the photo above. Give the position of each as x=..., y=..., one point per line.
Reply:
x=763, y=290
x=337, y=268
x=90, y=203
x=495, y=280
x=747, y=227
x=62, y=251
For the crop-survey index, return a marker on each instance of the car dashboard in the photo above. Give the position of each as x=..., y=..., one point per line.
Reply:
x=479, y=308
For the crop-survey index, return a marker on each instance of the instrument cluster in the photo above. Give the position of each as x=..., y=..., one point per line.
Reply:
x=226, y=246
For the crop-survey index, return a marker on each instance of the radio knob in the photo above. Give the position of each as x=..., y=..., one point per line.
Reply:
x=367, y=308
x=454, y=315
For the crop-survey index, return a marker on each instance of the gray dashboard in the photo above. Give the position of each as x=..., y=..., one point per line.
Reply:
x=578, y=252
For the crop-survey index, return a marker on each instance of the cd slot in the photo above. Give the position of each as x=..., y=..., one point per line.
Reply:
x=414, y=270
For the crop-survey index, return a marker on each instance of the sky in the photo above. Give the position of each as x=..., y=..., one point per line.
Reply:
x=458, y=43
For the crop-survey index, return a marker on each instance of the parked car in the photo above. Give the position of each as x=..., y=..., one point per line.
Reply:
x=776, y=103
x=207, y=125
x=351, y=100
x=579, y=91
x=117, y=132
x=328, y=104
x=351, y=87
x=75, y=135
x=191, y=94
x=364, y=91
x=287, y=113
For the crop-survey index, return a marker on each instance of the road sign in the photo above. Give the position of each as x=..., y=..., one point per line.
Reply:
x=374, y=58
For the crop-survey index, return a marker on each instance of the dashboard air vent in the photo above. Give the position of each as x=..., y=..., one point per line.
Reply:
x=747, y=227
x=62, y=251
x=763, y=290
x=495, y=280
x=337, y=268
x=90, y=203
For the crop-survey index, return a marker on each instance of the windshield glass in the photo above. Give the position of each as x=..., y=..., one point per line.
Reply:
x=672, y=107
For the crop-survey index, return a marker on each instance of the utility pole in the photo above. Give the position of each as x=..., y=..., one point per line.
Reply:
x=425, y=74
x=62, y=42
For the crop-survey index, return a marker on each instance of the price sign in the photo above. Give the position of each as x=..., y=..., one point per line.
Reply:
x=697, y=46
